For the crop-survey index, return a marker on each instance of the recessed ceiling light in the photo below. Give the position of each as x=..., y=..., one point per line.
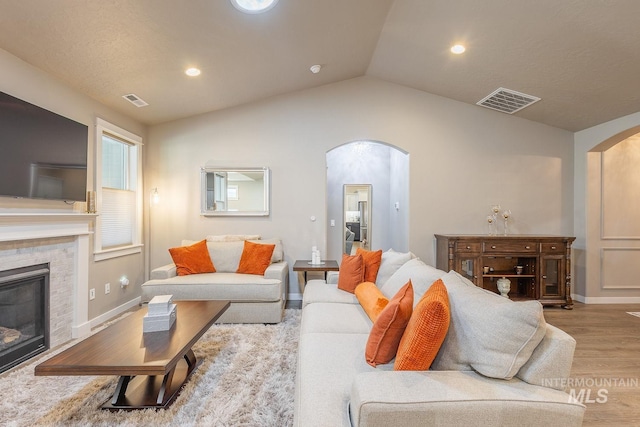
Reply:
x=458, y=49
x=253, y=6
x=192, y=72
x=315, y=69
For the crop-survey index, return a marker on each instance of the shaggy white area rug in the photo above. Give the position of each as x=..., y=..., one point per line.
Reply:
x=246, y=378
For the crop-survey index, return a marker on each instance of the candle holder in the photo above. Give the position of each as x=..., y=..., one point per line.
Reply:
x=506, y=214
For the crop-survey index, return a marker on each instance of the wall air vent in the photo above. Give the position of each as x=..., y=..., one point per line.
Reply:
x=507, y=100
x=135, y=100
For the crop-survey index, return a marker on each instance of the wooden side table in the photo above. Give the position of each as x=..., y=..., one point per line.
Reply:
x=302, y=266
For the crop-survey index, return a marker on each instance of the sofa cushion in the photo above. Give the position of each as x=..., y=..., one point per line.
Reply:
x=327, y=366
x=390, y=262
x=420, y=274
x=192, y=259
x=255, y=258
x=223, y=286
x=371, y=299
x=388, y=328
x=351, y=272
x=488, y=333
x=335, y=319
x=318, y=290
x=371, y=261
x=425, y=331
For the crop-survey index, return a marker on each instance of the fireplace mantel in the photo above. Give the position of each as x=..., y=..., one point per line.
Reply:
x=34, y=225
x=43, y=225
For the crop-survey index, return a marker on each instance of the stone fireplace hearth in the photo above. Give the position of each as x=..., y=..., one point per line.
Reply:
x=62, y=241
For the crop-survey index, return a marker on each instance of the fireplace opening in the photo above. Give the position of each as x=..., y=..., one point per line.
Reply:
x=24, y=314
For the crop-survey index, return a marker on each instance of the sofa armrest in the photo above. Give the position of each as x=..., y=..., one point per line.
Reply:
x=164, y=272
x=426, y=398
x=279, y=271
x=550, y=363
x=332, y=277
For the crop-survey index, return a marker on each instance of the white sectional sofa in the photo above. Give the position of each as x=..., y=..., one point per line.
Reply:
x=254, y=298
x=523, y=360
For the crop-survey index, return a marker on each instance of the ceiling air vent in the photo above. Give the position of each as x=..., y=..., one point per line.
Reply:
x=507, y=100
x=135, y=100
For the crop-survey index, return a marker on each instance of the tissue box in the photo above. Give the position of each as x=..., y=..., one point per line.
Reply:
x=160, y=304
x=159, y=322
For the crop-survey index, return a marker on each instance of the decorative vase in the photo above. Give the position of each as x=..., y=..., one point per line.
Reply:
x=504, y=286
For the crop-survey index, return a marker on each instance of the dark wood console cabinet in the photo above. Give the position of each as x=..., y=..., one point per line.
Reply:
x=545, y=260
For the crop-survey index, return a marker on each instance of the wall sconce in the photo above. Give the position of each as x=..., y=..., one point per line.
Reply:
x=155, y=196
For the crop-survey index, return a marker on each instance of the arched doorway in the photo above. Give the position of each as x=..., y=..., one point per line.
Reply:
x=386, y=169
x=611, y=261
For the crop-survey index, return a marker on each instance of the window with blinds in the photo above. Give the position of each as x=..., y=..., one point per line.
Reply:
x=118, y=193
x=118, y=170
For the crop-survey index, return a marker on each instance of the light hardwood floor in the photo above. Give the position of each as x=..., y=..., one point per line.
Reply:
x=607, y=359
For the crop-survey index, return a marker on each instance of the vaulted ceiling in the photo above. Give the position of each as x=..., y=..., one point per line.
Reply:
x=582, y=57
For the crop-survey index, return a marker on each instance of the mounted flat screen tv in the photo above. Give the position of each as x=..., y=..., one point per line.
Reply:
x=42, y=154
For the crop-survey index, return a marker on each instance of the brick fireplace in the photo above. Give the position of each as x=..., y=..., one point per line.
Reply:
x=60, y=240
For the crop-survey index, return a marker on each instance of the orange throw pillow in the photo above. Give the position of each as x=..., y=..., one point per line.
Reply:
x=351, y=272
x=193, y=259
x=372, y=260
x=371, y=299
x=255, y=258
x=388, y=328
x=426, y=330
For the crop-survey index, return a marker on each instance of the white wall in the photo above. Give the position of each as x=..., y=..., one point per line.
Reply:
x=19, y=79
x=463, y=158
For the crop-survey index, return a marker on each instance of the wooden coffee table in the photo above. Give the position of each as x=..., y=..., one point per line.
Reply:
x=152, y=366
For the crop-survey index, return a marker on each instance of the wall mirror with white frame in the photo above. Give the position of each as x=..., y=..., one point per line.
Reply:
x=235, y=191
x=357, y=217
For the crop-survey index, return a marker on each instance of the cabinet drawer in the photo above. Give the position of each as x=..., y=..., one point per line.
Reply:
x=553, y=248
x=512, y=246
x=468, y=247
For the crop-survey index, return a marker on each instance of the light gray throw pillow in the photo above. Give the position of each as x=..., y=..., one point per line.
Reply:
x=390, y=263
x=421, y=275
x=488, y=333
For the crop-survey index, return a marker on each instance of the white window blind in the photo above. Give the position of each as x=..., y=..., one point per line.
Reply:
x=118, y=212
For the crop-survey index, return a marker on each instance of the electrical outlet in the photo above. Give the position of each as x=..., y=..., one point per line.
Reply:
x=92, y=293
x=107, y=288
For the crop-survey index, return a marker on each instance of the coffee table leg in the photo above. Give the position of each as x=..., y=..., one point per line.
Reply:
x=190, y=358
x=166, y=383
x=121, y=389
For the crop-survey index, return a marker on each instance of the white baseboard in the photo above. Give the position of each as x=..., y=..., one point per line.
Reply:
x=114, y=312
x=294, y=297
x=606, y=300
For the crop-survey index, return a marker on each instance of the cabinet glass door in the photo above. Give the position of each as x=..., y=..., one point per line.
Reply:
x=551, y=283
x=467, y=268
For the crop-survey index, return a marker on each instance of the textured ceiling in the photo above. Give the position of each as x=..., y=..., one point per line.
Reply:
x=582, y=57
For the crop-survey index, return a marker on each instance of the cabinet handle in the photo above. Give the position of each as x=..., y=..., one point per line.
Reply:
x=493, y=246
x=527, y=247
x=468, y=247
x=544, y=277
x=553, y=247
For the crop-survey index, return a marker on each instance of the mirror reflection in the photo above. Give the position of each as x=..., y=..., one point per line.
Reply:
x=357, y=217
x=235, y=191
